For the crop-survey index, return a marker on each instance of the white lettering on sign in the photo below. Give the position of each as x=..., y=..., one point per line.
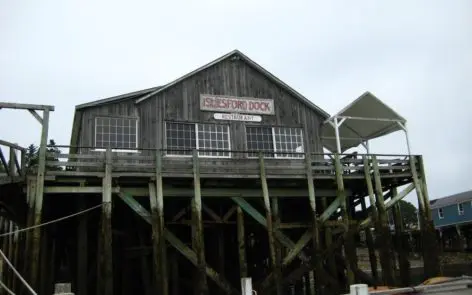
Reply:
x=237, y=117
x=232, y=104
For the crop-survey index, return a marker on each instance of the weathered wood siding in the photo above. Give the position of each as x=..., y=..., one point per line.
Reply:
x=125, y=108
x=181, y=102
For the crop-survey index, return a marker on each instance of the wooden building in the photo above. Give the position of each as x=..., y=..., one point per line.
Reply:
x=216, y=176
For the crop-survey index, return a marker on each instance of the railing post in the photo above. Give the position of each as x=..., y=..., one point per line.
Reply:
x=11, y=162
x=23, y=163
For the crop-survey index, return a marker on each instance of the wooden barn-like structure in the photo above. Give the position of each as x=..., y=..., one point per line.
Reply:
x=219, y=175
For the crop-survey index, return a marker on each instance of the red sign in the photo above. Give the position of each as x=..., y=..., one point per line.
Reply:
x=232, y=104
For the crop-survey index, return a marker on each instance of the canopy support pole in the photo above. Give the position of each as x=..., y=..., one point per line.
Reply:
x=403, y=126
x=366, y=146
x=336, y=124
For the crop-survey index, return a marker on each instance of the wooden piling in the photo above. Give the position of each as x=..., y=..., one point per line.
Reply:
x=38, y=207
x=341, y=194
x=432, y=266
x=82, y=249
x=370, y=246
x=198, y=242
x=402, y=254
x=382, y=229
x=105, y=275
x=241, y=243
x=270, y=230
x=157, y=217
x=314, y=227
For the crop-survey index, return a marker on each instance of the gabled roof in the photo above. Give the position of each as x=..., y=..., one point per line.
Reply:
x=130, y=95
x=236, y=53
x=451, y=200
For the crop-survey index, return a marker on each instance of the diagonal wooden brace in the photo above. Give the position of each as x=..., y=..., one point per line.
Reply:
x=283, y=239
x=179, y=245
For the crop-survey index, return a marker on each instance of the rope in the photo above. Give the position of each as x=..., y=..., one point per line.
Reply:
x=53, y=221
x=17, y=273
x=6, y=288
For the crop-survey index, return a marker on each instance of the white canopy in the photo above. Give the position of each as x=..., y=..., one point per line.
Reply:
x=364, y=119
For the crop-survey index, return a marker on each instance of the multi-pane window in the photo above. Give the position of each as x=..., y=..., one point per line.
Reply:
x=279, y=142
x=460, y=209
x=182, y=138
x=440, y=213
x=215, y=138
x=260, y=139
x=116, y=133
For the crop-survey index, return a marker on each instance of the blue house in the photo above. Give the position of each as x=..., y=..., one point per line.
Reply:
x=454, y=210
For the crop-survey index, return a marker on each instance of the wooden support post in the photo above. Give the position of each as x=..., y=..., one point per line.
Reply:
x=202, y=287
x=370, y=246
x=432, y=266
x=105, y=276
x=276, y=225
x=82, y=250
x=175, y=272
x=36, y=241
x=270, y=230
x=315, y=233
x=157, y=217
x=403, y=263
x=342, y=196
x=382, y=230
x=328, y=241
x=241, y=243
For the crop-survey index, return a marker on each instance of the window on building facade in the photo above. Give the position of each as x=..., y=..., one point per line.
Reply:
x=460, y=209
x=182, y=138
x=278, y=142
x=440, y=213
x=116, y=133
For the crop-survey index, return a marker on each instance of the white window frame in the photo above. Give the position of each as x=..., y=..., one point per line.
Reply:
x=274, y=152
x=460, y=209
x=197, y=146
x=135, y=150
x=440, y=213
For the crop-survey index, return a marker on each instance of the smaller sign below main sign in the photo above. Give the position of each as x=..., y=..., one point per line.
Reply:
x=237, y=117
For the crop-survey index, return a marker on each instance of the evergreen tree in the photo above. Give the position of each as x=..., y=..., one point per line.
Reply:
x=31, y=156
x=52, y=155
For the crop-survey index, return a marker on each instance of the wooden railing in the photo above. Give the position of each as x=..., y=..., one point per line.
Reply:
x=289, y=165
x=14, y=167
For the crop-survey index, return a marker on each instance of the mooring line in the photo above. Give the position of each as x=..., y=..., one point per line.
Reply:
x=54, y=220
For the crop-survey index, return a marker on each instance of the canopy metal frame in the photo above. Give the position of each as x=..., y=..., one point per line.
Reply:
x=339, y=119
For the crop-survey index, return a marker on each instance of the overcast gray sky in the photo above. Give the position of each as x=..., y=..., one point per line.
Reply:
x=414, y=55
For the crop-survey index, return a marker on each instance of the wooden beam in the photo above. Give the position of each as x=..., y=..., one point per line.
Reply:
x=188, y=192
x=202, y=287
x=230, y=213
x=180, y=246
x=283, y=239
x=39, y=201
x=36, y=116
x=366, y=222
x=12, y=145
x=25, y=106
